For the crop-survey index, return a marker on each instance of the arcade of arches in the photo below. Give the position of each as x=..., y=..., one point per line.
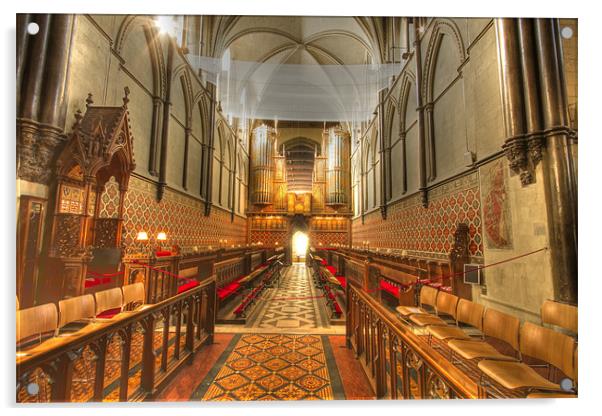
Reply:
x=173, y=244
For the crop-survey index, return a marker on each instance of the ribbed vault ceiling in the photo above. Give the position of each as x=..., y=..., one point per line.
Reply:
x=283, y=63
x=299, y=40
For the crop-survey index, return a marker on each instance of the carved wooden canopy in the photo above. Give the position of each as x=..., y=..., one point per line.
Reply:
x=100, y=145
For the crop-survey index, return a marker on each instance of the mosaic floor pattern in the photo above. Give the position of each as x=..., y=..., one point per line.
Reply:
x=274, y=367
x=294, y=306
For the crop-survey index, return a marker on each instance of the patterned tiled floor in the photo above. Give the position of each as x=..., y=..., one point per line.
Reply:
x=274, y=367
x=292, y=307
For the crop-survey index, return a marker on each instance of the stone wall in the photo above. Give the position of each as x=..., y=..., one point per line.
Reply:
x=467, y=175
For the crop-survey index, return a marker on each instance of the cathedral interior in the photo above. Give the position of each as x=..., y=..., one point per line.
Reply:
x=270, y=208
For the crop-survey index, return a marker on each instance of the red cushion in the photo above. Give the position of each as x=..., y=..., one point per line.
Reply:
x=337, y=308
x=388, y=287
x=342, y=280
x=109, y=313
x=226, y=291
x=187, y=286
x=95, y=281
x=324, y=262
x=163, y=253
x=332, y=270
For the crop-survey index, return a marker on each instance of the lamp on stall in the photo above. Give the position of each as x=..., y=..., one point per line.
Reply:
x=142, y=237
x=162, y=236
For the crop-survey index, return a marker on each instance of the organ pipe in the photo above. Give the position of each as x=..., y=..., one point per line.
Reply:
x=337, y=166
x=262, y=167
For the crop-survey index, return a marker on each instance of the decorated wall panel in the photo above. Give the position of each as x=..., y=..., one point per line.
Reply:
x=427, y=231
x=109, y=200
x=179, y=216
x=322, y=231
x=270, y=238
x=328, y=239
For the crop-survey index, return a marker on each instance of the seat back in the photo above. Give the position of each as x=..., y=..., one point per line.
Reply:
x=470, y=313
x=73, y=309
x=428, y=296
x=38, y=320
x=108, y=299
x=550, y=346
x=559, y=314
x=502, y=326
x=446, y=304
x=133, y=294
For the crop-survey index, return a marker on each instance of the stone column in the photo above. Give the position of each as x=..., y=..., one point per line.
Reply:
x=35, y=66
x=166, y=115
x=187, y=132
x=430, y=142
x=155, y=138
x=22, y=41
x=558, y=172
x=234, y=185
x=509, y=53
x=404, y=169
x=209, y=150
x=382, y=131
x=54, y=96
x=421, y=139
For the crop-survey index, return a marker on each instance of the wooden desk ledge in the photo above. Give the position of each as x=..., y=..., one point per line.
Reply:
x=447, y=332
x=515, y=375
x=471, y=349
x=410, y=310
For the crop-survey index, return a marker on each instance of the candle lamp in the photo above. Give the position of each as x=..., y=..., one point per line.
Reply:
x=161, y=236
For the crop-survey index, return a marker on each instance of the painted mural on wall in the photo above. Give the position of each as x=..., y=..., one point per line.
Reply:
x=497, y=222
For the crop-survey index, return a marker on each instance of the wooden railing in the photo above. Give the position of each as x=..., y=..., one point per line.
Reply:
x=398, y=362
x=162, y=275
x=228, y=270
x=128, y=358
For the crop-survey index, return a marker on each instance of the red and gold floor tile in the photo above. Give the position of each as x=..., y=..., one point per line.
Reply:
x=273, y=367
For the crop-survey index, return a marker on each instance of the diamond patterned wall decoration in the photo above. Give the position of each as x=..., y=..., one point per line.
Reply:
x=109, y=200
x=181, y=217
x=428, y=231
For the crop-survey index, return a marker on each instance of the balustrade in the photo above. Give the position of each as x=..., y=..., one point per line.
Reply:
x=127, y=358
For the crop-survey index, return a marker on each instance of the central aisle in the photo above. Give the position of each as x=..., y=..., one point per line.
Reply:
x=275, y=367
x=287, y=351
x=242, y=367
x=293, y=306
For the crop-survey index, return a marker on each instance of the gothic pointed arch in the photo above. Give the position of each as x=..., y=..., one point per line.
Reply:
x=441, y=27
x=154, y=48
x=407, y=81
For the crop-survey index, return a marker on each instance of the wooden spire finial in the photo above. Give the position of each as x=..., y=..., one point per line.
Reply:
x=126, y=98
x=89, y=100
x=78, y=119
